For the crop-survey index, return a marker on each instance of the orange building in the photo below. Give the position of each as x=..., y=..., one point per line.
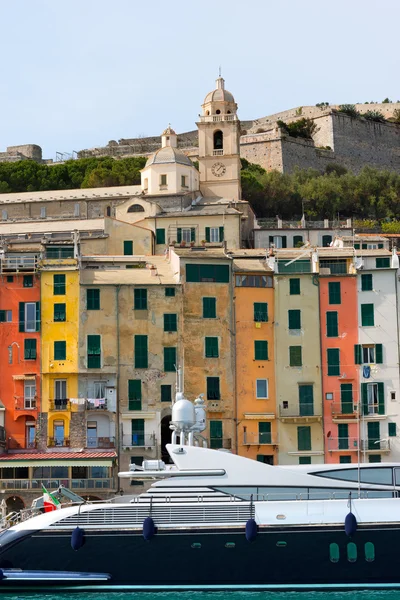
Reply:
x=255, y=372
x=339, y=335
x=20, y=351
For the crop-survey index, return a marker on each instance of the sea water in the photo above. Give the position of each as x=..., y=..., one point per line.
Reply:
x=351, y=595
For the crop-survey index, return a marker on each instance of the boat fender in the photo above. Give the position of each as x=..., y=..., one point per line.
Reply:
x=251, y=530
x=77, y=538
x=149, y=528
x=350, y=524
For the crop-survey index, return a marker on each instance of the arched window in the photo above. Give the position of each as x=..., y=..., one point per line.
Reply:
x=136, y=208
x=218, y=140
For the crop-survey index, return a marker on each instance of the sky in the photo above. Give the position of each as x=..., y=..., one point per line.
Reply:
x=78, y=73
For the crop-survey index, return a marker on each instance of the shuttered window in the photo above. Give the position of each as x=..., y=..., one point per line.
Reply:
x=264, y=433
x=304, y=438
x=160, y=236
x=213, y=391
x=295, y=356
x=332, y=326
x=140, y=298
x=60, y=350
x=261, y=350
x=137, y=432
x=166, y=393
x=169, y=292
x=306, y=400
x=209, y=308
x=211, y=347
x=346, y=398
x=59, y=285
x=373, y=398
x=382, y=263
x=29, y=349
x=294, y=319
x=28, y=281
x=170, y=322
x=134, y=394
x=333, y=361
x=141, y=352
x=93, y=299
x=261, y=312
x=297, y=241
x=366, y=282
x=207, y=273
x=216, y=434
x=392, y=429
x=29, y=316
x=343, y=436
x=334, y=292
x=94, y=351
x=128, y=248
x=169, y=359
x=59, y=312
x=294, y=286
x=367, y=315
x=368, y=354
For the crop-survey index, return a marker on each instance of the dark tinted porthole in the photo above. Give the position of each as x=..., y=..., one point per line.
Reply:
x=334, y=553
x=281, y=544
x=230, y=545
x=369, y=550
x=351, y=552
x=196, y=545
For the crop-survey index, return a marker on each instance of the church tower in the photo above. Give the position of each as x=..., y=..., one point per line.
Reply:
x=219, y=145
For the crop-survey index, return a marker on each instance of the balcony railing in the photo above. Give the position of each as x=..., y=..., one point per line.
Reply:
x=218, y=152
x=300, y=411
x=58, y=442
x=97, y=404
x=100, y=442
x=374, y=445
x=259, y=439
x=19, y=263
x=342, y=443
x=20, y=442
x=22, y=403
x=60, y=404
x=51, y=484
x=220, y=443
x=344, y=410
x=139, y=440
x=217, y=118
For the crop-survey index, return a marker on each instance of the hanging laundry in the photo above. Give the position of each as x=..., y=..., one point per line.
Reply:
x=366, y=371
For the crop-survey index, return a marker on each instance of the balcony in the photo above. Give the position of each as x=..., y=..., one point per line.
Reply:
x=51, y=484
x=138, y=440
x=305, y=413
x=16, y=264
x=58, y=442
x=100, y=442
x=25, y=406
x=373, y=446
x=342, y=444
x=220, y=443
x=60, y=404
x=20, y=442
x=217, y=118
x=97, y=404
x=344, y=411
x=218, y=152
x=259, y=439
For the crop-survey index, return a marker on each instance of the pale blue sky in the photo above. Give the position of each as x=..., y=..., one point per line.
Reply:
x=78, y=73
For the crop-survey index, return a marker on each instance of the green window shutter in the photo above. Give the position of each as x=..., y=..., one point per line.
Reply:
x=392, y=429
x=59, y=285
x=332, y=326
x=364, y=398
x=135, y=394
x=306, y=400
x=170, y=322
x=334, y=292
x=264, y=433
x=37, y=316
x=21, y=316
x=207, y=273
x=344, y=459
x=209, y=308
x=261, y=312
x=179, y=235
x=193, y=234
x=297, y=239
x=284, y=241
x=378, y=354
x=366, y=282
x=333, y=359
x=356, y=246
x=94, y=351
x=30, y=349
x=2, y=316
x=169, y=359
x=211, y=347
x=93, y=299
x=346, y=398
x=140, y=298
x=128, y=247
x=28, y=281
x=192, y=273
x=166, y=393
x=364, y=246
x=294, y=319
x=213, y=391
x=357, y=354
x=380, y=246
x=294, y=287
x=261, y=350
x=343, y=435
x=208, y=236
x=381, y=398
x=374, y=435
x=216, y=434
x=221, y=234
x=60, y=350
x=271, y=240
x=170, y=292
x=59, y=312
x=382, y=263
x=295, y=356
x=326, y=240
x=304, y=460
x=141, y=352
x=160, y=236
x=304, y=438
x=367, y=315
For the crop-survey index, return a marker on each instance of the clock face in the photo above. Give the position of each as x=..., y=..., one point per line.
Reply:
x=218, y=169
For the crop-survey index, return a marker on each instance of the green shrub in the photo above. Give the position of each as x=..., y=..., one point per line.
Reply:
x=374, y=115
x=349, y=110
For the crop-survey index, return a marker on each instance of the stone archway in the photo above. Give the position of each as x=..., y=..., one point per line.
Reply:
x=14, y=504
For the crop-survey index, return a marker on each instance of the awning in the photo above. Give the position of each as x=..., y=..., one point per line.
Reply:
x=260, y=416
x=24, y=377
x=101, y=462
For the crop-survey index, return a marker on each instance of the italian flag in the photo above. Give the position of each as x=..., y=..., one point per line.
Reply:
x=50, y=502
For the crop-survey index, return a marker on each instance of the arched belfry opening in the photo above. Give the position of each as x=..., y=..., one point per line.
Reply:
x=218, y=140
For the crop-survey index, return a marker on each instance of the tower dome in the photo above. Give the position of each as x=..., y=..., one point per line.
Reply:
x=220, y=94
x=219, y=101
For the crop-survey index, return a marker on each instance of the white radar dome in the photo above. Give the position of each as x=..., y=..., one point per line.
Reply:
x=183, y=415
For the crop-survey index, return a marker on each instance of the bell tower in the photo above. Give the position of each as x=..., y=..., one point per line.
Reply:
x=219, y=145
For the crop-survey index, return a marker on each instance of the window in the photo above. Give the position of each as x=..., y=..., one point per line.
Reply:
x=93, y=299
x=218, y=139
x=368, y=354
x=264, y=433
x=169, y=359
x=58, y=430
x=332, y=326
x=134, y=394
x=260, y=281
x=57, y=252
x=343, y=436
x=186, y=234
x=382, y=263
x=294, y=319
x=43, y=212
x=160, y=236
x=306, y=400
x=351, y=552
x=140, y=298
x=261, y=350
x=326, y=240
x=304, y=438
x=279, y=241
x=141, y=352
x=374, y=458
x=214, y=234
x=369, y=550
x=346, y=399
x=94, y=351
x=295, y=356
x=334, y=292
x=29, y=349
x=209, y=308
x=392, y=430
x=367, y=315
x=5, y=316
x=28, y=281
x=128, y=248
x=334, y=554
x=29, y=316
x=297, y=241
x=304, y=460
x=333, y=360
x=133, y=208
x=60, y=350
x=211, y=347
x=163, y=180
x=170, y=322
x=267, y=459
x=4, y=215
x=59, y=285
x=366, y=282
x=59, y=312
x=77, y=210
x=207, y=273
x=166, y=393
x=99, y=389
x=345, y=459
x=10, y=278
x=261, y=312
x=169, y=292
x=137, y=432
x=294, y=287
x=213, y=391
x=262, y=388
x=183, y=181
x=373, y=398
x=216, y=434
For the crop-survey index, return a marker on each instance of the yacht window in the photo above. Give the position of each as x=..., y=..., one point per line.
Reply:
x=369, y=550
x=334, y=553
x=382, y=475
x=240, y=492
x=344, y=474
x=282, y=493
x=351, y=552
